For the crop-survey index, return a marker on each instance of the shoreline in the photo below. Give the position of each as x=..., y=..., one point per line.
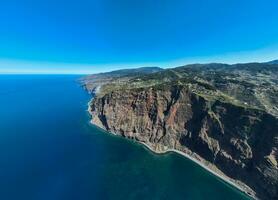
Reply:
x=249, y=192
x=226, y=179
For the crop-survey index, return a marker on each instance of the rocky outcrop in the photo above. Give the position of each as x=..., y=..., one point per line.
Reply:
x=240, y=142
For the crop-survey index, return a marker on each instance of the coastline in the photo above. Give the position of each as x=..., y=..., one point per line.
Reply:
x=244, y=189
x=226, y=179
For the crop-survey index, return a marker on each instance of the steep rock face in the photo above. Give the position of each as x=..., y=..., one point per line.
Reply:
x=239, y=141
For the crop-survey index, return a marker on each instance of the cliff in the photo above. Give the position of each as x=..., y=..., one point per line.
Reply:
x=235, y=139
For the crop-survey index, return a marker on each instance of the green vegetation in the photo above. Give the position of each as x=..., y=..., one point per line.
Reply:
x=251, y=85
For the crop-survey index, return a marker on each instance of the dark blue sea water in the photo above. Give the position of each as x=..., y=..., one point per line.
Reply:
x=49, y=151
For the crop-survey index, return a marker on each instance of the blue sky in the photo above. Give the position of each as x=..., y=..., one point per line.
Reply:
x=88, y=36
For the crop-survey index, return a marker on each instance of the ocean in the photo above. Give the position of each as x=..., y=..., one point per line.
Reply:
x=50, y=151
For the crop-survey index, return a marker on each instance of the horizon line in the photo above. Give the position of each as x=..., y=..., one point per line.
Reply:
x=17, y=66
x=70, y=72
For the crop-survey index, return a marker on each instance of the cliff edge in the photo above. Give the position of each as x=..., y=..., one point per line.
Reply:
x=223, y=116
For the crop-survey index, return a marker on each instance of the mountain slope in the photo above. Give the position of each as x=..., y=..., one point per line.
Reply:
x=91, y=82
x=223, y=115
x=273, y=62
